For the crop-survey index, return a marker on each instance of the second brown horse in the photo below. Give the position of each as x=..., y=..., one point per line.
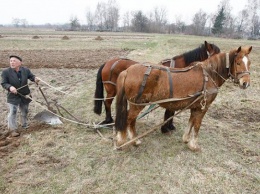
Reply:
x=109, y=72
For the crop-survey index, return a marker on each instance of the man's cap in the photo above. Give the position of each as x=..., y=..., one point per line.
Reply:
x=15, y=56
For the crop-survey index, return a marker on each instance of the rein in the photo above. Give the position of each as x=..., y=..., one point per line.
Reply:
x=66, y=92
x=18, y=89
x=158, y=126
x=203, y=93
x=43, y=106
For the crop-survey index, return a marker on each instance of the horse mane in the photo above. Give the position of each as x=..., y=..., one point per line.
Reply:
x=218, y=63
x=215, y=48
x=193, y=55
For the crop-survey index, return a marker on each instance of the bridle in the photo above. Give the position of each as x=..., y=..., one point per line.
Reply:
x=238, y=74
x=211, y=54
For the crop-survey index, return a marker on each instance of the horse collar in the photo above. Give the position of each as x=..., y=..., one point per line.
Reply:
x=227, y=60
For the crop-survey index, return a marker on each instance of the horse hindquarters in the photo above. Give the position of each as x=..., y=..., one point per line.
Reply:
x=121, y=110
x=99, y=92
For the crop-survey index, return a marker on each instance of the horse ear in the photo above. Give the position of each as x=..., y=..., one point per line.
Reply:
x=249, y=49
x=207, y=45
x=238, y=50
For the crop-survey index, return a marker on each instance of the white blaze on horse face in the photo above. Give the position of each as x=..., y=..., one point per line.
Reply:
x=244, y=84
x=245, y=60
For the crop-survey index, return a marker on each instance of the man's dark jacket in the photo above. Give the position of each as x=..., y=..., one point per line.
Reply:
x=10, y=78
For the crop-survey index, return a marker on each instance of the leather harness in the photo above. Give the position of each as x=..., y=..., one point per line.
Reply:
x=112, y=69
x=169, y=71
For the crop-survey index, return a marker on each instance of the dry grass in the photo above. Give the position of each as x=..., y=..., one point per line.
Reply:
x=74, y=159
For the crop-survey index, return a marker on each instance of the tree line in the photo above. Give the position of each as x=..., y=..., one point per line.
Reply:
x=106, y=17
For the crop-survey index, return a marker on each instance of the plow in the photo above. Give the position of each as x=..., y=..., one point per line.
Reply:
x=52, y=115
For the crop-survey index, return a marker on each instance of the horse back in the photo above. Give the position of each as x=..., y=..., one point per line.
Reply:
x=114, y=67
x=177, y=62
x=157, y=84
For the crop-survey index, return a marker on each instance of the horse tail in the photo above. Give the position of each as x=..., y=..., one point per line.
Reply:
x=99, y=92
x=121, y=104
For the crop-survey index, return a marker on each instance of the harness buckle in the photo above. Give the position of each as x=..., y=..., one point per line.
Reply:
x=203, y=103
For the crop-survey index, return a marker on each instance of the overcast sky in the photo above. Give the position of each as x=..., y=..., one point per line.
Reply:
x=60, y=11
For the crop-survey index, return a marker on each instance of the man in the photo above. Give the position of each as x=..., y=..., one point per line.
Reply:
x=15, y=81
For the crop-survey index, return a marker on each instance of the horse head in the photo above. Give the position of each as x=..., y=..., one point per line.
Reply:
x=211, y=49
x=240, y=70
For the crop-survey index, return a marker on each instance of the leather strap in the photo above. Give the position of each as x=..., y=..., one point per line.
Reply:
x=170, y=82
x=172, y=64
x=141, y=89
x=113, y=67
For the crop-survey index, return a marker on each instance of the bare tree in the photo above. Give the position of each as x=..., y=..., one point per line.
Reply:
x=179, y=25
x=74, y=23
x=241, y=21
x=199, y=22
x=126, y=21
x=99, y=15
x=19, y=22
x=112, y=17
x=253, y=8
x=90, y=20
x=107, y=15
x=160, y=20
x=24, y=23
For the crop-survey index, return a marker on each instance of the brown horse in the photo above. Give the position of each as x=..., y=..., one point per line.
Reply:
x=108, y=73
x=194, y=87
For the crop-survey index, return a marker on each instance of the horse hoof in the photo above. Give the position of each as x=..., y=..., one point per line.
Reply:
x=137, y=142
x=106, y=122
x=172, y=128
x=118, y=145
x=195, y=148
x=185, y=138
x=168, y=129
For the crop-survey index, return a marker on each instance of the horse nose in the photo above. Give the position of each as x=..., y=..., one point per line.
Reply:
x=246, y=85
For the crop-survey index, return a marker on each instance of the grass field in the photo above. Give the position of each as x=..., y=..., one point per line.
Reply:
x=72, y=158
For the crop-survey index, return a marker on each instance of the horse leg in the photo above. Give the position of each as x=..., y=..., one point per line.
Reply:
x=132, y=115
x=167, y=127
x=121, y=137
x=108, y=103
x=186, y=135
x=197, y=116
x=111, y=93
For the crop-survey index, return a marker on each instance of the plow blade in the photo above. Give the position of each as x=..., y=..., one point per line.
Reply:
x=47, y=117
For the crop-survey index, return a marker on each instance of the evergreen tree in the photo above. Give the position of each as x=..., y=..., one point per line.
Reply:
x=139, y=22
x=219, y=22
